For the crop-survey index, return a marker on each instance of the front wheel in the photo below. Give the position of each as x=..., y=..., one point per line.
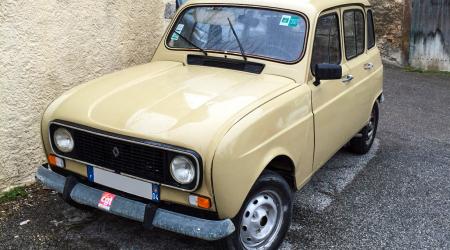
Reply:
x=264, y=219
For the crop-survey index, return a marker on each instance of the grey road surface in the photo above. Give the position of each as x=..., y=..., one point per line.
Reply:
x=396, y=197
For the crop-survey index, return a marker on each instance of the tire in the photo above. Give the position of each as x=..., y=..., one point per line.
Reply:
x=270, y=200
x=363, y=141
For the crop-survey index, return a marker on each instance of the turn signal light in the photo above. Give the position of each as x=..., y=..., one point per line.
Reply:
x=55, y=161
x=199, y=201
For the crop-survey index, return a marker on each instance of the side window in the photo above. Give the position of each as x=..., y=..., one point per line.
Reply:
x=370, y=30
x=354, y=33
x=327, y=45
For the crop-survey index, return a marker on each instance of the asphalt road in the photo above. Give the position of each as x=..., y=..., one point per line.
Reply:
x=397, y=196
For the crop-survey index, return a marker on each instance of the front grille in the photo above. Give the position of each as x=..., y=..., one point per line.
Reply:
x=122, y=155
x=131, y=158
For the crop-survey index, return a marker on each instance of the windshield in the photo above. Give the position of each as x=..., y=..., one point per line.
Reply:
x=262, y=33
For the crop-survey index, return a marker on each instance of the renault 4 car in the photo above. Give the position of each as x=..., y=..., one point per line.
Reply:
x=241, y=104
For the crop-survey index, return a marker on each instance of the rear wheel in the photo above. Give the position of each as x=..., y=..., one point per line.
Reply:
x=264, y=219
x=363, y=141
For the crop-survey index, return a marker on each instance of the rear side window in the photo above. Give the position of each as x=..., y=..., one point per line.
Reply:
x=370, y=30
x=354, y=33
x=327, y=45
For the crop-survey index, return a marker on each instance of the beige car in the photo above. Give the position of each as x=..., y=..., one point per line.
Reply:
x=241, y=104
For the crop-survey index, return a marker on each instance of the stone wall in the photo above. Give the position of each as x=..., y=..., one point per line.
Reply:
x=49, y=46
x=388, y=15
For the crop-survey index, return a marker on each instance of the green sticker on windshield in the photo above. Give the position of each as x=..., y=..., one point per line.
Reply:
x=294, y=21
x=175, y=36
x=285, y=20
x=289, y=21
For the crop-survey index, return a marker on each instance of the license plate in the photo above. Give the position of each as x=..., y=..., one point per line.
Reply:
x=124, y=183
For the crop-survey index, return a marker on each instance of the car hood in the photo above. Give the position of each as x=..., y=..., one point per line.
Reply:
x=168, y=102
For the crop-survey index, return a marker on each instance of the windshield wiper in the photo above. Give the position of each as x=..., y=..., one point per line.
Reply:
x=191, y=43
x=237, y=39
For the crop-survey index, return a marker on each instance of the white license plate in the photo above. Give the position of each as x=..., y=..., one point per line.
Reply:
x=124, y=183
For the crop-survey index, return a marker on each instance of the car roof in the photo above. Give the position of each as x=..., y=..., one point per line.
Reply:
x=308, y=7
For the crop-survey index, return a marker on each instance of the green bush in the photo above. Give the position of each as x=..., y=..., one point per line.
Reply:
x=13, y=194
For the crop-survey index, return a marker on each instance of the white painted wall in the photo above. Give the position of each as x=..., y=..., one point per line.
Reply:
x=429, y=53
x=49, y=46
x=430, y=35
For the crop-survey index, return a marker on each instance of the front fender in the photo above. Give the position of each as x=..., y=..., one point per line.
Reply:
x=282, y=126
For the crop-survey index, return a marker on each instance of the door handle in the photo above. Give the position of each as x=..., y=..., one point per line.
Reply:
x=347, y=78
x=368, y=66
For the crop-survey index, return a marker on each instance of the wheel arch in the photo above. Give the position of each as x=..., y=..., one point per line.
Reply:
x=277, y=160
x=283, y=165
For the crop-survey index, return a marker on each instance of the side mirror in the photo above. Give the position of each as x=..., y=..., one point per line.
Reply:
x=325, y=71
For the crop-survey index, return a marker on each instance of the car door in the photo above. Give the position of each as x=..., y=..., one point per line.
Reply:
x=328, y=108
x=360, y=62
x=373, y=66
x=336, y=112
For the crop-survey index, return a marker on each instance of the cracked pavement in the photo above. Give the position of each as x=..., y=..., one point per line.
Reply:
x=397, y=196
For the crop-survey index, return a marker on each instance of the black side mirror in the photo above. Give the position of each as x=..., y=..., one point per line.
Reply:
x=325, y=71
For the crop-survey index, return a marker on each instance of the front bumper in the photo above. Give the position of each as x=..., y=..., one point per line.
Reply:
x=138, y=211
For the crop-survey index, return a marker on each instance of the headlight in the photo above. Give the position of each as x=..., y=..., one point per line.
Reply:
x=63, y=140
x=182, y=170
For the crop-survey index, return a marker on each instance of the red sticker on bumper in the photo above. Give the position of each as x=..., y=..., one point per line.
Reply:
x=106, y=201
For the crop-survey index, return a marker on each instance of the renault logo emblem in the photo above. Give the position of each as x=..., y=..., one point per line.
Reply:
x=116, y=152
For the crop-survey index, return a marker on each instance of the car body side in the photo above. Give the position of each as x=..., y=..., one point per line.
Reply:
x=284, y=127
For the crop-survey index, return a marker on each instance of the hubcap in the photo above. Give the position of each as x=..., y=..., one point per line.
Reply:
x=261, y=220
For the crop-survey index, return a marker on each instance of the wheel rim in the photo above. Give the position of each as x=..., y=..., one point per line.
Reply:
x=261, y=220
x=371, y=128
